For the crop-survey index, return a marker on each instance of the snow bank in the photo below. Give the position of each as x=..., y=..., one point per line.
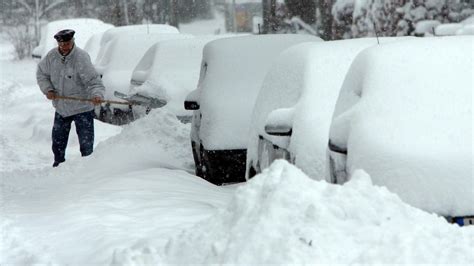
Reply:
x=156, y=138
x=17, y=251
x=282, y=216
x=133, y=189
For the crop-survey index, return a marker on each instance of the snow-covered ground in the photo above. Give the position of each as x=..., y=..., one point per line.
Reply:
x=135, y=201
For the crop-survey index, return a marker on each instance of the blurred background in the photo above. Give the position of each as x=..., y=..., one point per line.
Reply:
x=21, y=20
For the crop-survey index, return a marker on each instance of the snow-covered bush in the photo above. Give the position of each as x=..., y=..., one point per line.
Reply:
x=358, y=18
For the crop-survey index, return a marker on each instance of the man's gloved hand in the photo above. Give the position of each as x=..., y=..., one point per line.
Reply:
x=96, y=100
x=51, y=95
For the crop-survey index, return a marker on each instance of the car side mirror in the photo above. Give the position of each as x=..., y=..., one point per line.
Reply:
x=278, y=130
x=280, y=122
x=191, y=101
x=336, y=148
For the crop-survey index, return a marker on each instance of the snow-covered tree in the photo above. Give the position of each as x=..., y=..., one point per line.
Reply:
x=342, y=22
x=37, y=9
x=356, y=18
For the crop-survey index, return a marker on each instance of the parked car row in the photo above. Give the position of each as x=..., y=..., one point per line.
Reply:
x=404, y=115
x=292, y=114
x=400, y=108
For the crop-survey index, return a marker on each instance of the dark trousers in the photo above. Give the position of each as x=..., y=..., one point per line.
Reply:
x=85, y=131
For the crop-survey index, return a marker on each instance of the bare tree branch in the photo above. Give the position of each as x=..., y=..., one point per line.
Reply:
x=53, y=5
x=25, y=4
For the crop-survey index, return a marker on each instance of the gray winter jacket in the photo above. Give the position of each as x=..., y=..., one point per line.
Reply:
x=71, y=75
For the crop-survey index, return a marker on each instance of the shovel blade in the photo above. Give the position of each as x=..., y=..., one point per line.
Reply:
x=138, y=99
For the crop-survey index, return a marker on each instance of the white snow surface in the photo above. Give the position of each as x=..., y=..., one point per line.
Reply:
x=129, y=202
x=141, y=28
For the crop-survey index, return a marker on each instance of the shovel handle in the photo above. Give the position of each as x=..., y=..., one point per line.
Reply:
x=90, y=100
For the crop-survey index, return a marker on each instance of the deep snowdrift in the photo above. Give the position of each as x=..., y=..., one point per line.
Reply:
x=282, y=216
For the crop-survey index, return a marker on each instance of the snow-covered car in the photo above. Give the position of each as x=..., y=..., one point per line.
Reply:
x=115, y=64
x=404, y=115
x=142, y=28
x=466, y=30
x=232, y=71
x=124, y=30
x=426, y=27
x=467, y=26
x=293, y=111
x=92, y=46
x=168, y=71
x=84, y=28
x=447, y=29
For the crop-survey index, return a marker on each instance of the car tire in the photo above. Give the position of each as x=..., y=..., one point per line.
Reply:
x=332, y=171
x=337, y=168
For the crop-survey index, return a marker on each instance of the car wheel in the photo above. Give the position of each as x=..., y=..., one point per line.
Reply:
x=332, y=171
x=337, y=168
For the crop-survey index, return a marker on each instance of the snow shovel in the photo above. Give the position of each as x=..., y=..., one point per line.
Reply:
x=128, y=101
x=143, y=100
x=89, y=100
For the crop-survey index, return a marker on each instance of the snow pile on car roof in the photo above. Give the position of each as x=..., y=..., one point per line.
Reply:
x=84, y=28
x=142, y=28
x=282, y=216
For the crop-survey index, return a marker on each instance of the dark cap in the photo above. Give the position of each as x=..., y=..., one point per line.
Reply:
x=64, y=35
